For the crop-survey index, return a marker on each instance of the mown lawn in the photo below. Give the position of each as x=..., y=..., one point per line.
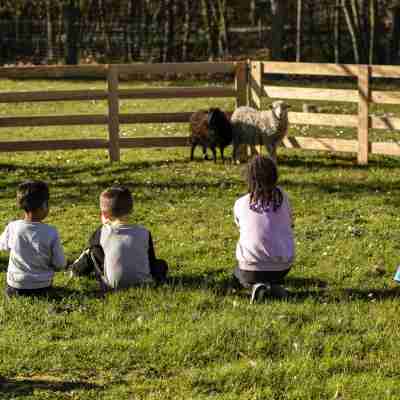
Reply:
x=336, y=337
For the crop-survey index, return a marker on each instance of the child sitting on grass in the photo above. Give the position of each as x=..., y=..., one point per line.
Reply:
x=120, y=254
x=265, y=250
x=35, y=248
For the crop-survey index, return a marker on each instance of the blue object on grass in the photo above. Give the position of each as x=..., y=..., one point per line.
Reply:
x=397, y=275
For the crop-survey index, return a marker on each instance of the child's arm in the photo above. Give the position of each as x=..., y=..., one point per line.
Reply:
x=235, y=218
x=5, y=239
x=152, y=254
x=58, y=259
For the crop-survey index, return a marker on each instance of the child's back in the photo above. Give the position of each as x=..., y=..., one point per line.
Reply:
x=121, y=254
x=35, y=248
x=34, y=254
x=126, y=259
x=266, y=236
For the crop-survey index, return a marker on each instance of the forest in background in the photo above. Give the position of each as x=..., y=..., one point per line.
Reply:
x=84, y=31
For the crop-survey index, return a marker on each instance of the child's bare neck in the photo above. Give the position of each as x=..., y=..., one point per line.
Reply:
x=120, y=221
x=32, y=217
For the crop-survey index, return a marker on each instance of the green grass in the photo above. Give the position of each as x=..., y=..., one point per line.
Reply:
x=336, y=337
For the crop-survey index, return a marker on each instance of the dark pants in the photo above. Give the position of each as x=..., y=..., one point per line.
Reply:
x=14, y=292
x=95, y=263
x=248, y=278
x=159, y=270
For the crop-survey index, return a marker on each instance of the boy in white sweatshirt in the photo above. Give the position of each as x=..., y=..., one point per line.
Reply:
x=35, y=248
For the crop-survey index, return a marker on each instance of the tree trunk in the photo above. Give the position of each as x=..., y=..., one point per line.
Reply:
x=222, y=31
x=395, y=36
x=166, y=28
x=186, y=29
x=72, y=14
x=311, y=27
x=50, y=52
x=252, y=14
x=278, y=10
x=372, y=29
x=336, y=42
x=359, y=31
x=207, y=29
x=351, y=27
x=128, y=31
x=299, y=29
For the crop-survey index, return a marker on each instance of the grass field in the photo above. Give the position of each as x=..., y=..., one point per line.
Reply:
x=195, y=338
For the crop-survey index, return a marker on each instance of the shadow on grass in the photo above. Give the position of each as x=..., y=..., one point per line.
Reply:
x=335, y=161
x=63, y=299
x=300, y=289
x=28, y=386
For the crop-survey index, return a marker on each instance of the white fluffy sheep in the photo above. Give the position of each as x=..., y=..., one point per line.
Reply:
x=253, y=127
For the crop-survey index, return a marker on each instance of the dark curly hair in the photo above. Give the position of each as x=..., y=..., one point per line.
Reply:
x=32, y=195
x=262, y=177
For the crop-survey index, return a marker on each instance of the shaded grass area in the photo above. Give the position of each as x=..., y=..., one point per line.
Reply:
x=197, y=336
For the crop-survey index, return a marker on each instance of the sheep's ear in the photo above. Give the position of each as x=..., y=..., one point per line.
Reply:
x=270, y=107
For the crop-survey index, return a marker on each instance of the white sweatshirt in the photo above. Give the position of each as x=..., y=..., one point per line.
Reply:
x=35, y=254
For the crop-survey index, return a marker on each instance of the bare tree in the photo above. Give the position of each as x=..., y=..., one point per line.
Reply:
x=372, y=30
x=185, y=28
x=352, y=24
x=278, y=13
x=299, y=25
x=207, y=26
x=49, y=25
x=336, y=34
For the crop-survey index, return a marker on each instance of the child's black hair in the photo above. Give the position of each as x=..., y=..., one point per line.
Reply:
x=117, y=200
x=262, y=177
x=32, y=195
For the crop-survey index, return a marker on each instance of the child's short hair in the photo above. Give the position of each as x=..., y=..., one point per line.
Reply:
x=262, y=178
x=32, y=195
x=117, y=201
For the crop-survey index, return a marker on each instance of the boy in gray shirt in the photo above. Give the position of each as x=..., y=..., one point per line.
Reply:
x=120, y=254
x=35, y=248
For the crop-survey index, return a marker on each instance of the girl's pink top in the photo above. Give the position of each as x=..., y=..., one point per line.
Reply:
x=266, y=239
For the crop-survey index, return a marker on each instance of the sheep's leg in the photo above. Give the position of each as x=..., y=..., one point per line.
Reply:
x=235, y=151
x=221, y=149
x=192, y=151
x=214, y=152
x=205, y=153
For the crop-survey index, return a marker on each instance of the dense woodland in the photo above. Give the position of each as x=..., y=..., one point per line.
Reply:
x=72, y=31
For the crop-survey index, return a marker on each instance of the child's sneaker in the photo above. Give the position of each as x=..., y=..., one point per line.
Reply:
x=258, y=292
x=279, y=292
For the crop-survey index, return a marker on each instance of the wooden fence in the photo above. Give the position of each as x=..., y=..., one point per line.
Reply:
x=364, y=96
x=249, y=88
x=113, y=94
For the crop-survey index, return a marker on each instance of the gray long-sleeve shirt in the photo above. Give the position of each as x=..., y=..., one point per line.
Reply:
x=35, y=254
x=126, y=254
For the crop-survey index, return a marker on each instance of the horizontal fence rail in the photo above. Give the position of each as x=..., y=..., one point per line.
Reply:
x=250, y=87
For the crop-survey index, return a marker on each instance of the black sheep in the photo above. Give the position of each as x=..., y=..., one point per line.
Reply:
x=210, y=129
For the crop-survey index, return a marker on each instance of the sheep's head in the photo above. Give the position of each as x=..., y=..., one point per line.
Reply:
x=218, y=124
x=280, y=110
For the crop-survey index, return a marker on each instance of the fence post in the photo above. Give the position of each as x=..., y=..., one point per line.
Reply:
x=256, y=90
x=241, y=86
x=256, y=72
x=113, y=113
x=363, y=114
